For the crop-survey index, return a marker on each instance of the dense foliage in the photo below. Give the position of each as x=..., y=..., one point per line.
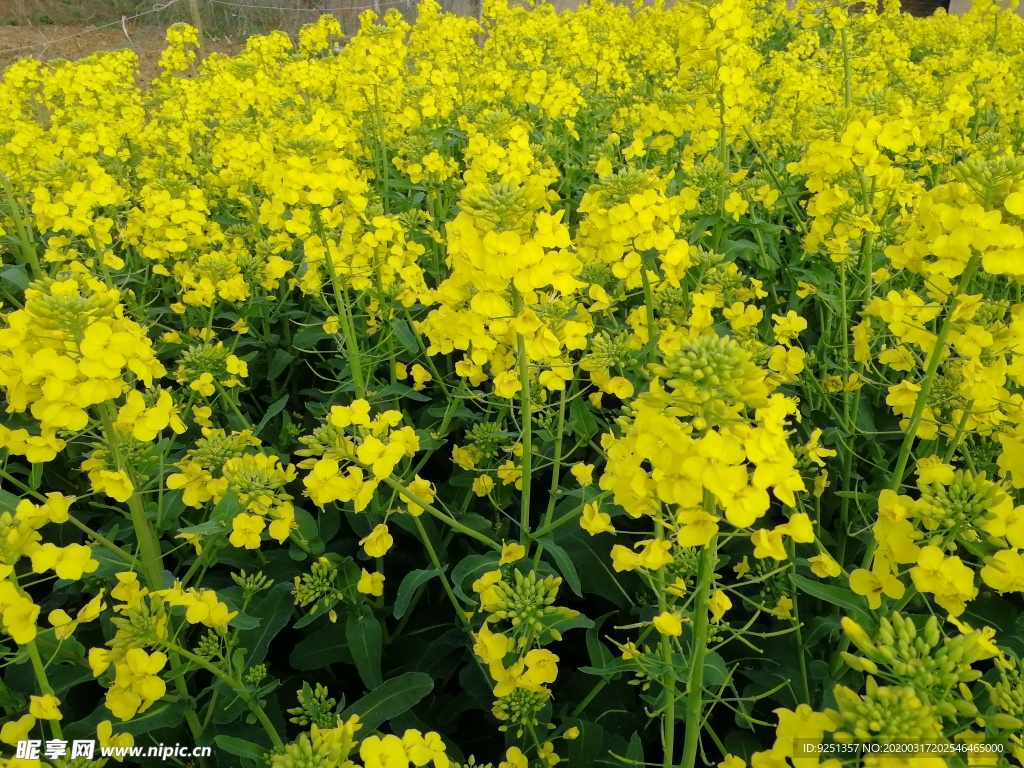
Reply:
x=602, y=387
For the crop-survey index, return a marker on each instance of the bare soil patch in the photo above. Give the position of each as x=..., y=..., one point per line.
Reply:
x=59, y=41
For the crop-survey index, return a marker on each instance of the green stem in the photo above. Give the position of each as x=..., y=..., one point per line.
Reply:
x=701, y=623
x=40, y=671
x=847, y=71
x=652, y=329
x=526, y=421
x=28, y=251
x=149, y=546
x=896, y=480
x=347, y=325
x=446, y=519
x=234, y=685
x=555, y=472
x=668, y=680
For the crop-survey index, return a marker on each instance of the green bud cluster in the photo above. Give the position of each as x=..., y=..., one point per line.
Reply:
x=991, y=178
x=68, y=313
x=256, y=675
x=920, y=659
x=526, y=602
x=725, y=281
x=209, y=646
x=315, y=706
x=203, y=358
x=139, y=626
x=311, y=750
x=596, y=274
x=885, y=713
x=709, y=369
x=607, y=351
x=961, y=506
x=212, y=451
x=520, y=708
x=1007, y=694
x=251, y=584
x=318, y=583
x=304, y=146
x=328, y=440
x=472, y=763
x=673, y=304
x=503, y=204
x=486, y=437
x=620, y=187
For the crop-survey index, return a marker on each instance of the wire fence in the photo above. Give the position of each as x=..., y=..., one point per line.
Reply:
x=49, y=29
x=233, y=19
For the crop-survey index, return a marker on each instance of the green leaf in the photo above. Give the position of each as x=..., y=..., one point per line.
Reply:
x=241, y=747
x=581, y=417
x=390, y=699
x=400, y=390
x=160, y=715
x=308, y=337
x=272, y=411
x=321, y=649
x=281, y=360
x=405, y=335
x=17, y=276
x=591, y=556
x=413, y=581
x=365, y=642
x=585, y=748
x=564, y=563
x=472, y=567
x=635, y=751
x=273, y=613
x=844, y=598
x=715, y=671
x=598, y=652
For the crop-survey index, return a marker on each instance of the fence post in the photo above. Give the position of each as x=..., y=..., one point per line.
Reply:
x=197, y=22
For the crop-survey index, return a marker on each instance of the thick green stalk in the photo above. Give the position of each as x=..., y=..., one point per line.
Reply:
x=668, y=680
x=40, y=671
x=149, y=549
x=446, y=519
x=896, y=480
x=25, y=245
x=149, y=546
x=652, y=328
x=556, y=470
x=234, y=685
x=701, y=623
x=847, y=70
x=526, y=420
x=352, y=352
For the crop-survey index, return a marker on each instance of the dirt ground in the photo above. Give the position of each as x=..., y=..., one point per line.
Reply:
x=54, y=41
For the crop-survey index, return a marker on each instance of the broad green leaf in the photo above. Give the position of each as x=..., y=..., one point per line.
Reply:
x=364, y=642
x=564, y=564
x=276, y=407
x=405, y=335
x=586, y=748
x=163, y=714
x=390, y=699
x=321, y=649
x=471, y=569
x=413, y=581
x=281, y=360
x=272, y=612
x=241, y=747
x=856, y=605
